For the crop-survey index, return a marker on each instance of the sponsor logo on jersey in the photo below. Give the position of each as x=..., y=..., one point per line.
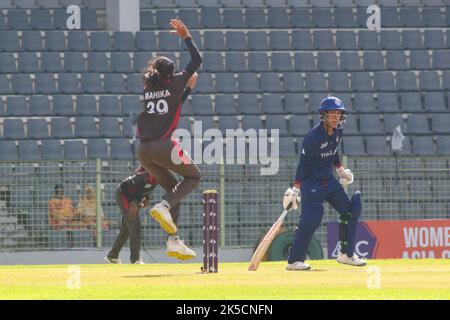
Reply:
x=328, y=154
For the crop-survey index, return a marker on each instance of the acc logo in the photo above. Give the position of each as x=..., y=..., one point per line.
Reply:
x=338, y=102
x=358, y=249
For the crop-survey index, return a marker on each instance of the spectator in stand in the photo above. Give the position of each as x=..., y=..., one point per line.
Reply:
x=87, y=213
x=60, y=210
x=87, y=210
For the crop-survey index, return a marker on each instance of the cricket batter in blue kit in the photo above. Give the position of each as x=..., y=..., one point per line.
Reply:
x=315, y=183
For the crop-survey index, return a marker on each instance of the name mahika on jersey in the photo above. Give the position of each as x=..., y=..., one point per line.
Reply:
x=157, y=94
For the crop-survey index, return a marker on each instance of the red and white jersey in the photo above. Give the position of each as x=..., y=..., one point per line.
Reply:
x=162, y=108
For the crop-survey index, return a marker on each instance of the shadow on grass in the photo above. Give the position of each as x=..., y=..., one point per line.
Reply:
x=151, y=276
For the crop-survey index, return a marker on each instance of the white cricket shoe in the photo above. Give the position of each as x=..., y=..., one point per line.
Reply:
x=139, y=262
x=177, y=249
x=353, y=261
x=112, y=261
x=161, y=214
x=298, y=265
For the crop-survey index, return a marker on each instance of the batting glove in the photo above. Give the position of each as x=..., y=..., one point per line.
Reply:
x=345, y=176
x=292, y=195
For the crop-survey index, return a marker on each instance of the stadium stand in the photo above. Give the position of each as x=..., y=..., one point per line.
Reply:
x=68, y=94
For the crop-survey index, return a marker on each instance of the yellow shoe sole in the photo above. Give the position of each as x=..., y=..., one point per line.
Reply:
x=179, y=256
x=167, y=226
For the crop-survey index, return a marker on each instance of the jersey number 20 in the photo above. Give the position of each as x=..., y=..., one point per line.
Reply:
x=161, y=106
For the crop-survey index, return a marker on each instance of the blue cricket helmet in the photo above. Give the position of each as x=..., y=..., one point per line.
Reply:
x=331, y=103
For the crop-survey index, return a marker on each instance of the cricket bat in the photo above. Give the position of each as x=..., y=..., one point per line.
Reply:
x=267, y=241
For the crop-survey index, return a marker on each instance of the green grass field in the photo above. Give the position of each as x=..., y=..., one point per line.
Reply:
x=399, y=279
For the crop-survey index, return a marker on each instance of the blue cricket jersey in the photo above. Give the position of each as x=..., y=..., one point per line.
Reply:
x=318, y=155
